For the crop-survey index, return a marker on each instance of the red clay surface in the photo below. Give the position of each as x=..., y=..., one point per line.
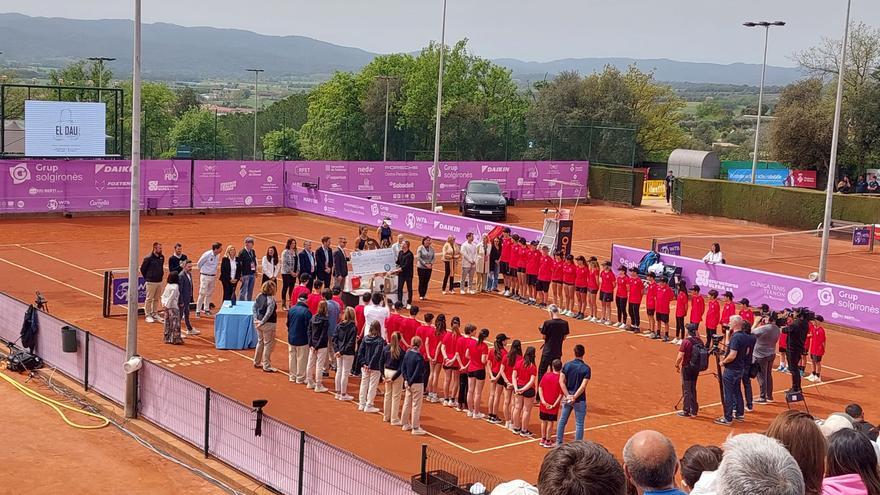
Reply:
x=43, y=455
x=634, y=383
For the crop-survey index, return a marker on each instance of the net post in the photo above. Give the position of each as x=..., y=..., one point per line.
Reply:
x=108, y=283
x=873, y=231
x=772, y=244
x=654, y=244
x=86, y=376
x=207, y=419
x=302, y=461
x=424, y=466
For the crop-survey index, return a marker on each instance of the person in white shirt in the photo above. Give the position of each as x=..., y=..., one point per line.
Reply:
x=714, y=256
x=377, y=311
x=468, y=263
x=395, y=248
x=482, y=263
x=208, y=264
x=271, y=267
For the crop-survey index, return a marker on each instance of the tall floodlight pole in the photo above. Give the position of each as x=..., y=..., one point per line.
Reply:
x=766, y=25
x=387, y=80
x=256, y=104
x=436, y=168
x=832, y=163
x=100, y=61
x=134, y=219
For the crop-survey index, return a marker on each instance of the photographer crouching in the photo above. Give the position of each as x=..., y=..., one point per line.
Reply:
x=797, y=329
x=735, y=362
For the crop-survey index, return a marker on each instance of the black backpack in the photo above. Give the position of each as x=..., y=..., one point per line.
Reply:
x=699, y=356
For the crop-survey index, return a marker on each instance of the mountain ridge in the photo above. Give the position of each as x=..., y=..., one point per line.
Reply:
x=174, y=52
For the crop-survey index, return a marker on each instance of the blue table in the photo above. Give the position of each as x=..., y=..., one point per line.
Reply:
x=234, y=326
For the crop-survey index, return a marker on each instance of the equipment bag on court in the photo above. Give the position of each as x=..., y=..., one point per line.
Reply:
x=699, y=356
x=650, y=258
x=22, y=360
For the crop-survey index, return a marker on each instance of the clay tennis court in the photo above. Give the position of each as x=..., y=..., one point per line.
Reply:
x=634, y=384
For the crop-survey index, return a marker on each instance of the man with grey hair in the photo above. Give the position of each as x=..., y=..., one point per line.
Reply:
x=735, y=364
x=650, y=463
x=248, y=262
x=758, y=465
x=554, y=332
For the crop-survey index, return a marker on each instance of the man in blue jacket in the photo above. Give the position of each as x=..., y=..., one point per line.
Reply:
x=415, y=379
x=186, y=295
x=298, y=339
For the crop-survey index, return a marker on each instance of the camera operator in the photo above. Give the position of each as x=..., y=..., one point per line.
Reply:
x=767, y=333
x=689, y=370
x=796, y=331
x=738, y=350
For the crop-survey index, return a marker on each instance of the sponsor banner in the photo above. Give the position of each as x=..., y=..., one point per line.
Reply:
x=35, y=186
x=861, y=236
x=841, y=305
x=802, y=178
x=404, y=218
x=775, y=177
x=411, y=182
x=673, y=247
x=372, y=262
x=237, y=184
x=120, y=290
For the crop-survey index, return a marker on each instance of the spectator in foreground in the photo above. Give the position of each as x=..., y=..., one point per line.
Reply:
x=698, y=466
x=515, y=487
x=799, y=434
x=650, y=463
x=581, y=468
x=757, y=464
x=858, y=415
x=851, y=465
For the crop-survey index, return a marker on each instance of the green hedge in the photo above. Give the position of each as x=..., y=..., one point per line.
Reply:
x=616, y=184
x=779, y=206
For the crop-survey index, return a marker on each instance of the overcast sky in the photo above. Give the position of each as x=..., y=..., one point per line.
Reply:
x=690, y=30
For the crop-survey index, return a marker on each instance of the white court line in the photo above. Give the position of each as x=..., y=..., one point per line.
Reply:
x=653, y=416
x=610, y=332
x=52, y=279
x=60, y=260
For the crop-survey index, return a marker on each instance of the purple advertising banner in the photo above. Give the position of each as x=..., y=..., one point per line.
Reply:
x=847, y=306
x=120, y=290
x=32, y=186
x=237, y=184
x=403, y=218
x=410, y=182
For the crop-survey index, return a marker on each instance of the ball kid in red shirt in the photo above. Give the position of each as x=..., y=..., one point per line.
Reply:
x=663, y=297
x=728, y=310
x=593, y=289
x=634, y=298
x=746, y=312
x=549, y=396
x=698, y=305
x=622, y=283
x=606, y=291
x=569, y=276
x=651, y=301
x=681, y=310
x=533, y=265
x=558, y=266
x=581, y=287
x=817, y=349
x=545, y=275
x=713, y=316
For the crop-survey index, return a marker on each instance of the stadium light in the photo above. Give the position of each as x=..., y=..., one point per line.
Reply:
x=256, y=103
x=436, y=167
x=134, y=219
x=387, y=80
x=832, y=162
x=766, y=25
x=100, y=61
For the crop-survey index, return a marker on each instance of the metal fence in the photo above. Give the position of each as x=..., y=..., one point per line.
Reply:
x=283, y=458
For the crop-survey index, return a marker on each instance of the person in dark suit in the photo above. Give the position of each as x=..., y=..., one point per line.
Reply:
x=307, y=262
x=185, y=283
x=324, y=261
x=230, y=270
x=340, y=263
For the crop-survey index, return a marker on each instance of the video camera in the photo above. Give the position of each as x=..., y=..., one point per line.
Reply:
x=715, y=347
x=802, y=313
